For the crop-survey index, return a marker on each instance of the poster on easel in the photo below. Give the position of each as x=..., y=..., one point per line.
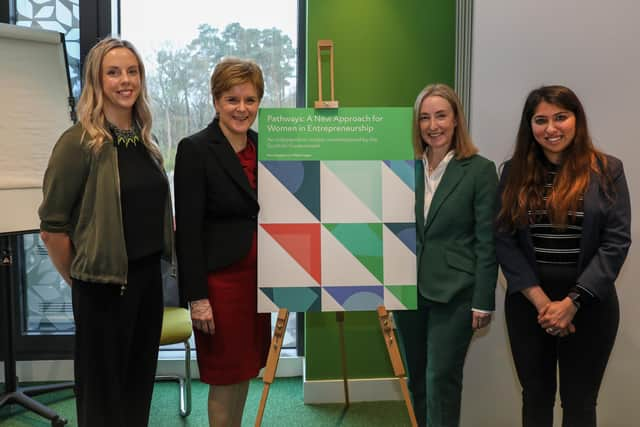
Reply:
x=336, y=229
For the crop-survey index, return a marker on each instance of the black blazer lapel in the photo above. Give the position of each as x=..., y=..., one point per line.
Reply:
x=589, y=221
x=452, y=176
x=228, y=158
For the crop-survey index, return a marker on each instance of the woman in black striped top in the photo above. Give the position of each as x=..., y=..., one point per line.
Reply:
x=562, y=235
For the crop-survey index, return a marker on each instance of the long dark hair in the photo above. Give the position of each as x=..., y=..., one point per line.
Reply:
x=524, y=185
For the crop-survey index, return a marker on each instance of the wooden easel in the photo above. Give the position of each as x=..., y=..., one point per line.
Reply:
x=272, y=360
x=269, y=373
x=386, y=325
x=320, y=103
x=283, y=314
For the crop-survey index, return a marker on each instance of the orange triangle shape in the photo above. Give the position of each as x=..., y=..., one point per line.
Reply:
x=302, y=242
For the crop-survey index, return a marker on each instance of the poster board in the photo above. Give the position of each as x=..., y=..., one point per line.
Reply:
x=336, y=229
x=34, y=111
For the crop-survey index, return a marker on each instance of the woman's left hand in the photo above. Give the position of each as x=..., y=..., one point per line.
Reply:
x=557, y=315
x=479, y=320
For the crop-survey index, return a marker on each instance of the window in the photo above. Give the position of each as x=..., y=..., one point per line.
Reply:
x=180, y=47
x=179, y=64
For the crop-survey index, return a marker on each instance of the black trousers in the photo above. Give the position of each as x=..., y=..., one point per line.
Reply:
x=580, y=358
x=116, y=346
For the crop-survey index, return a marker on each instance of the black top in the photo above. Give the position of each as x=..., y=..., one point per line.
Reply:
x=554, y=244
x=143, y=193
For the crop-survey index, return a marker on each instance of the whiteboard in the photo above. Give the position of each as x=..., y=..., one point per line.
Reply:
x=34, y=112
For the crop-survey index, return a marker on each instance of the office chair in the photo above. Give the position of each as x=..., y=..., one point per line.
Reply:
x=176, y=328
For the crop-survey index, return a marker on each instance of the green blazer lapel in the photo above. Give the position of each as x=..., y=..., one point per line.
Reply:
x=452, y=176
x=419, y=168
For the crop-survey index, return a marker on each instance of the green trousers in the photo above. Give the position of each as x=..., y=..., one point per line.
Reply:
x=435, y=339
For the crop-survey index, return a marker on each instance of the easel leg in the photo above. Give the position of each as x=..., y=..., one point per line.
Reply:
x=272, y=360
x=343, y=354
x=396, y=360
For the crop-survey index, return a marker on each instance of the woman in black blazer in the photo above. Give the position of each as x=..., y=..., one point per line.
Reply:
x=563, y=233
x=216, y=221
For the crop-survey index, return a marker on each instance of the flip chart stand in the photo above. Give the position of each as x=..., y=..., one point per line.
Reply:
x=14, y=394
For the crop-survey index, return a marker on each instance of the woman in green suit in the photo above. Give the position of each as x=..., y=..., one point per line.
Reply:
x=457, y=272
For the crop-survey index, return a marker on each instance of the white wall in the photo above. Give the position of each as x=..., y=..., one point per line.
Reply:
x=592, y=47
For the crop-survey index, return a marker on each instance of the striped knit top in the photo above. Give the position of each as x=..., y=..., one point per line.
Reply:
x=555, y=244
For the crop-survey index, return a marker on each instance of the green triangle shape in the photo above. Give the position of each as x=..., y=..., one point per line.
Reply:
x=364, y=241
x=363, y=178
x=406, y=294
x=299, y=299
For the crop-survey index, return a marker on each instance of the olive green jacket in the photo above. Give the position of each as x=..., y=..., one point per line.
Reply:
x=82, y=199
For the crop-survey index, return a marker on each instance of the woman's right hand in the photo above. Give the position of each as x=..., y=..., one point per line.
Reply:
x=556, y=318
x=202, y=316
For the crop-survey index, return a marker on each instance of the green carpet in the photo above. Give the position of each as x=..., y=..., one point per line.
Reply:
x=285, y=407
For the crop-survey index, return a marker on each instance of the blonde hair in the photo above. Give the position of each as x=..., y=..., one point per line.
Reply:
x=461, y=142
x=90, y=105
x=235, y=71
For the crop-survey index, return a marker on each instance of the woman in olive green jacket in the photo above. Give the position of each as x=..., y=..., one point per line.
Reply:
x=457, y=272
x=106, y=221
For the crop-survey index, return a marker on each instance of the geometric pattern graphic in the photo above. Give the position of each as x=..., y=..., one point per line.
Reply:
x=404, y=169
x=361, y=179
x=301, y=179
x=364, y=242
x=62, y=16
x=397, y=187
x=399, y=254
x=301, y=242
x=336, y=235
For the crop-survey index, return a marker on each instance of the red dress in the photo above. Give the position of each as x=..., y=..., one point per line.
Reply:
x=239, y=348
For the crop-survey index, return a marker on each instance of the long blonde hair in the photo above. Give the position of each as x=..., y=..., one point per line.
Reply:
x=90, y=105
x=461, y=142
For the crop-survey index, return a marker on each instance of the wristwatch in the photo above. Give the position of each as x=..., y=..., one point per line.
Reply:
x=575, y=298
